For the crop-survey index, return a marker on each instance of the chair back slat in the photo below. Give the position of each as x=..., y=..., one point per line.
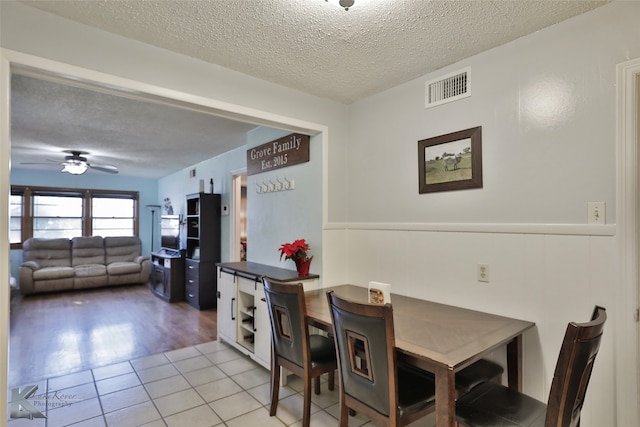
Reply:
x=287, y=312
x=573, y=371
x=365, y=340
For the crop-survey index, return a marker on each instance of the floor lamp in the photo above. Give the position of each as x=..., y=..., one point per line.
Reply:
x=153, y=209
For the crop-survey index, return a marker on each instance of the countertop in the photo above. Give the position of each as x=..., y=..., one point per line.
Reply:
x=255, y=270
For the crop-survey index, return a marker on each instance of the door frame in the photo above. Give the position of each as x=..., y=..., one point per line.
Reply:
x=628, y=220
x=236, y=210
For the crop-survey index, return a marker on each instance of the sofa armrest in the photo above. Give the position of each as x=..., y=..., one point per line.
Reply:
x=142, y=258
x=27, y=285
x=33, y=265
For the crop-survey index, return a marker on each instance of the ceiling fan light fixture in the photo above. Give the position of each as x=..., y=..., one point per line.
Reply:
x=344, y=3
x=75, y=168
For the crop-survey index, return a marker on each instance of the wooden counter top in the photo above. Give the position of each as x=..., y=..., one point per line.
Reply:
x=255, y=270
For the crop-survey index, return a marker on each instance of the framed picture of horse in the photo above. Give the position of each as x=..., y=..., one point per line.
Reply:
x=450, y=162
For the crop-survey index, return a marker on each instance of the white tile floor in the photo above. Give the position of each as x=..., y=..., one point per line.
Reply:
x=206, y=385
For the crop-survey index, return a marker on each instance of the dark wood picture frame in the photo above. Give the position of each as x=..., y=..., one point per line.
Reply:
x=458, y=167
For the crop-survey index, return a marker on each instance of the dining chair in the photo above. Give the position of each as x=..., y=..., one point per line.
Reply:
x=372, y=381
x=292, y=346
x=490, y=404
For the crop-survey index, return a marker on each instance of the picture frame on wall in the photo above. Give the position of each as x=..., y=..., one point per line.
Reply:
x=450, y=162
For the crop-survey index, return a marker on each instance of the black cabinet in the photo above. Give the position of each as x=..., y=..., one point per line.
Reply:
x=203, y=249
x=167, y=275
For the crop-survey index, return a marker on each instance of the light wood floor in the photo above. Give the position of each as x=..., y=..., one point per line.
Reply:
x=59, y=333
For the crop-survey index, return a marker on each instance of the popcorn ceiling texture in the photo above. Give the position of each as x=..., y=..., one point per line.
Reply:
x=309, y=45
x=317, y=47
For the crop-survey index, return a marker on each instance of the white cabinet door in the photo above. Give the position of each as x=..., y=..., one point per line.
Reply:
x=227, y=306
x=262, y=348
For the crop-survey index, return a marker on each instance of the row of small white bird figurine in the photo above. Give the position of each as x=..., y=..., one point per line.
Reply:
x=271, y=186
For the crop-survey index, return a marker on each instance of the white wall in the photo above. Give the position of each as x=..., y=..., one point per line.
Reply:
x=284, y=216
x=546, y=104
x=272, y=218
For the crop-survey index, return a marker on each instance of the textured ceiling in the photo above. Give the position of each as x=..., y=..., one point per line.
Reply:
x=141, y=138
x=310, y=45
x=316, y=46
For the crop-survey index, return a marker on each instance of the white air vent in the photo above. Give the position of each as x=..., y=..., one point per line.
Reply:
x=453, y=86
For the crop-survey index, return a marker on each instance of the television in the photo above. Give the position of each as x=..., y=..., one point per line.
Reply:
x=170, y=231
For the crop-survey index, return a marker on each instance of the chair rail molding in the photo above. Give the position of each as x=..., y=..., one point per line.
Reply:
x=491, y=228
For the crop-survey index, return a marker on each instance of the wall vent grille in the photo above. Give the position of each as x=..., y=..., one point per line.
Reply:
x=192, y=173
x=451, y=87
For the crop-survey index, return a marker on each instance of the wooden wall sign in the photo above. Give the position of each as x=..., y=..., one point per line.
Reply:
x=287, y=151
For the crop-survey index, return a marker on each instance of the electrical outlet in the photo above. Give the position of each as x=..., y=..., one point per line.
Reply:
x=596, y=213
x=483, y=273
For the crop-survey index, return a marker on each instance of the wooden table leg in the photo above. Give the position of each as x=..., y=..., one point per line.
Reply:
x=445, y=397
x=514, y=363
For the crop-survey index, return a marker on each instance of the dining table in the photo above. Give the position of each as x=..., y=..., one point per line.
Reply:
x=438, y=338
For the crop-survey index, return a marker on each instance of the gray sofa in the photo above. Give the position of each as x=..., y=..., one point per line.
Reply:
x=82, y=262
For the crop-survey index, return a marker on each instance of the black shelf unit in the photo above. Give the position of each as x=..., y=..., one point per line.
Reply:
x=167, y=275
x=203, y=249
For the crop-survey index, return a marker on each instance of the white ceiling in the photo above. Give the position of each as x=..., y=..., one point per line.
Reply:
x=310, y=45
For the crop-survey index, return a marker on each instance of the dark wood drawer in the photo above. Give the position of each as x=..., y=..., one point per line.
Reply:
x=192, y=268
x=192, y=295
x=192, y=279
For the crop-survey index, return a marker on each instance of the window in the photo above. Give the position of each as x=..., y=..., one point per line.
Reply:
x=112, y=216
x=15, y=217
x=57, y=215
x=56, y=212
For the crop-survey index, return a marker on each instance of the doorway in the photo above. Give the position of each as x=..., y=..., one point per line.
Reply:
x=12, y=62
x=239, y=215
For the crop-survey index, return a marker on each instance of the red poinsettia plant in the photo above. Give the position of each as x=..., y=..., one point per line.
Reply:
x=295, y=251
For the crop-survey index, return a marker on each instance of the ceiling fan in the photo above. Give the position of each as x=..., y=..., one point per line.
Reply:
x=76, y=164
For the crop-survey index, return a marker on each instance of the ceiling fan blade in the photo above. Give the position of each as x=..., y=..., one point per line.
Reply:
x=76, y=164
x=37, y=163
x=104, y=168
x=51, y=162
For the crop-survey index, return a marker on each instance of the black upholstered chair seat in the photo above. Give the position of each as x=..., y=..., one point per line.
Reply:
x=477, y=373
x=416, y=389
x=491, y=404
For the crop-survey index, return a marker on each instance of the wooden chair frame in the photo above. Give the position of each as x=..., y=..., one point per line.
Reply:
x=350, y=403
x=305, y=369
x=490, y=403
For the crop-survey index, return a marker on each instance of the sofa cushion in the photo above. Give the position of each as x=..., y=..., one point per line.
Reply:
x=122, y=249
x=118, y=268
x=90, y=270
x=53, y=273
x=87, y=250
x=47, y=252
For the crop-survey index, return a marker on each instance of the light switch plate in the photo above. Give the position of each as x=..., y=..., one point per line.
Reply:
x=596, y=212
